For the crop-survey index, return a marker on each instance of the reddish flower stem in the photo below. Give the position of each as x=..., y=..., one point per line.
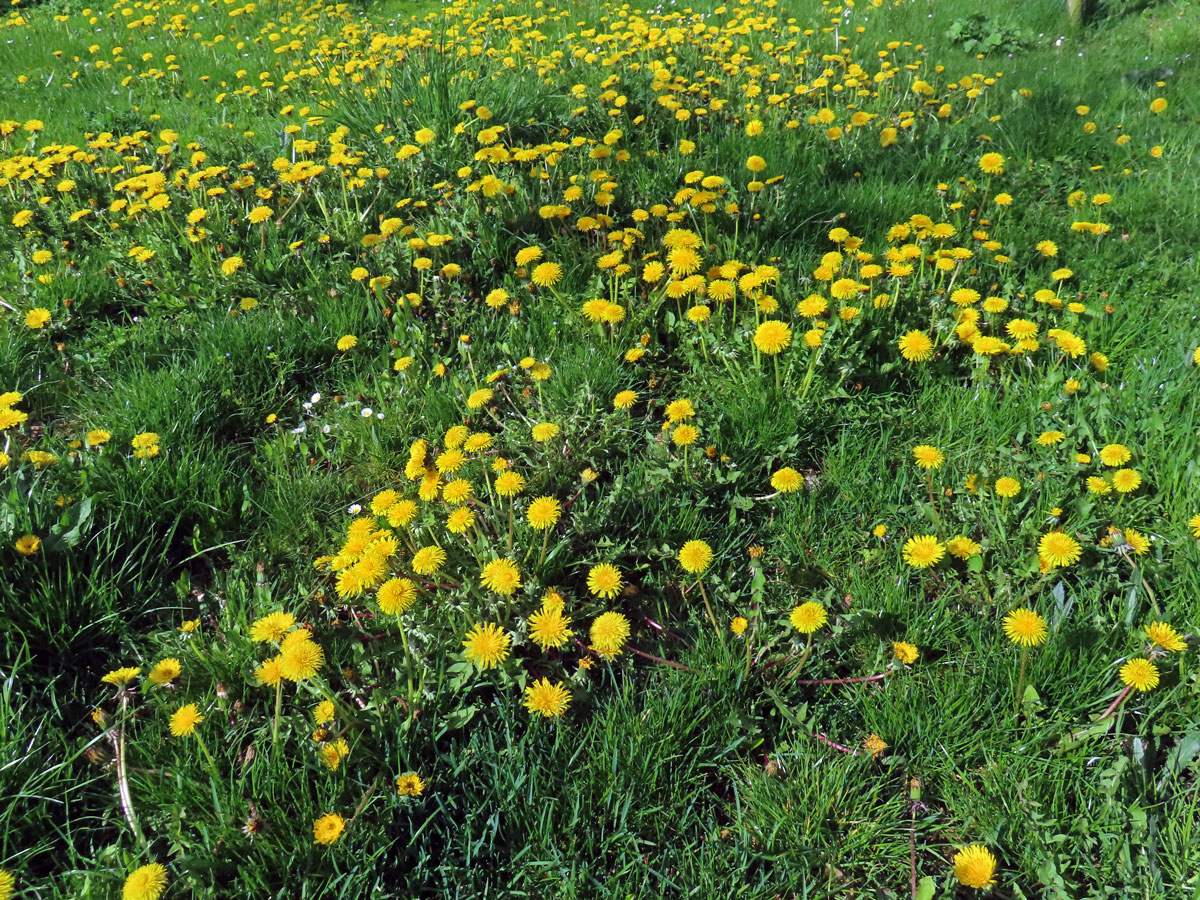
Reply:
x=1115, y=704
x=834, y=744
x=879, y=677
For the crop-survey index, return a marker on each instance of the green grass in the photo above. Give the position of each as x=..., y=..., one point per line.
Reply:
x=702, y=781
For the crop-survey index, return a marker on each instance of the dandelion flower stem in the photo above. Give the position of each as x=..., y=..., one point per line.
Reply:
x=1020, y=680
x=278, y=711
x=123, y=791
x=545, y=543
x=803, y=659
x=1116, y=704
x=708, y=606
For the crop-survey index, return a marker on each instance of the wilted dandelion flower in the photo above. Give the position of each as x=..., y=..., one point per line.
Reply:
x=1025, y=627
x=975, y=866
x=185, y=719
x=328, y=828
x=772, y=337
x=272, y=627
x=501, y=576
x=604, y=580
x=1166, y=637
x=547, y=700
x=923, y=551
x=695, y=557
x=487, y=645
x=609, y=632
x=145, y=883
x=875, y=745
x=1059, y=549
x=927, y=457
x=808, y=617
x=1140, y=674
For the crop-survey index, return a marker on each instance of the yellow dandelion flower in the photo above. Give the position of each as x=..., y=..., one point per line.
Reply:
x=808, y=617
x=609, y=632
x=547, y=700
x=487, y=645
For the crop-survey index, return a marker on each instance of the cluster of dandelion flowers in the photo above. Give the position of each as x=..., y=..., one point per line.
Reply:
x=1139, y=674
x=1059, y=549
x=410, y=785
x=609, y=632
x=695, y=557
x=487, y=645
x=808, y=617
x=975, y=866
x=145, y=883
x=772, y=337
x=927, y=457
x=328, y=828
x=923, y=551
x=1025, y=627
x=547, y=700
x=501, y=576
x=786, y=480
x=605, y=581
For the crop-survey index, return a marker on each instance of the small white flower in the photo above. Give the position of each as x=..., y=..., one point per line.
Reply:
x=307, y=406
x=325, y=429
x=367, y=412
x=354, y=509
x=300, y=430
x=379, y=416
x=316, y=398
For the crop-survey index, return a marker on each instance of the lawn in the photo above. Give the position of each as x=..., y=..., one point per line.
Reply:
x=597, y=450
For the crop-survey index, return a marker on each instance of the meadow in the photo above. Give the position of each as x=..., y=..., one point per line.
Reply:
x=597, y=449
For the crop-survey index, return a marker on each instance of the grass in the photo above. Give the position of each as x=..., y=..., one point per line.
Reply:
x=696, y=768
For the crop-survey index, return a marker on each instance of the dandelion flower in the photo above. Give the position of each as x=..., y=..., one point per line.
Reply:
x=548, y=627
x=428, y=560
x=808, y=617
x=543, y=513
x=772, y=337
x=300, y=657
x=875, y=745
x=1025, y=627
x=27, y=544
x=1007, y=487
x=396, y=596
x=185, y=719
x=272, y=627
x=625, y=399
x=121, y=677
x=1126, y=480
x=165, y=671
x=270, y=672
x=146, y=883
x=923, y=551
x=1166, y=637
x=347, y=342
x=905, y=652
x=328, y=828
x=410, y=785
x=739, y=625
x=685, y=435
x=1113, y=455
x=546, y=274
x=323, y=712
x=1050, y=438
x=545, y=699
x=1059, y=549
x=786, y=480
x=915, y=346
x=604, y=580
x=480, y=398
x=1194, y=526
x=927, y=457
x=975, y=866
x=487, y=645
x=991, y=164
x=1140, y=674
x=509, y=484
x=609, y=632
x=37, y=318
x=695, y=557
x=545, y=431
x=679, y=410
x=962, y=547
x=501, y=576
x=7, y=884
